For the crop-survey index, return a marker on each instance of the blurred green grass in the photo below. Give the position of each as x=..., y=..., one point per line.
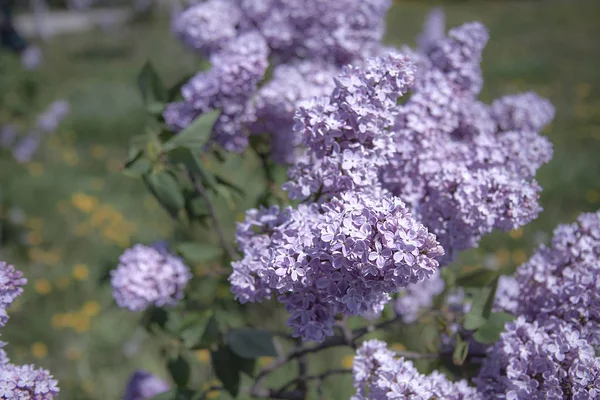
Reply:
x=81, y=212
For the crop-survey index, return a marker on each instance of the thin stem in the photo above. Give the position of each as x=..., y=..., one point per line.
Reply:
x=320, y=377
x=211, y=210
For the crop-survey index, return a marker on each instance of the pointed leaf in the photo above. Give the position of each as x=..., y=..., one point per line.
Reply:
x=490, y=332
x=196, y=135
x=478, y=278
x=179, y=369
x=166, y=189
x=251, y=343
x=224, y=364
x=211, y=335
x=152, y=89
x=461, y=351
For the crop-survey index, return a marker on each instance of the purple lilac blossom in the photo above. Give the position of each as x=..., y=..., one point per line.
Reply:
x=275, y=103
x=26, y=147
x=347, y=135
x=417, y=297
x=295, y=34
x=345, y=256
x=434, y=29
x=379, y=375
x=147, y=276
x=563, y=281
x=31, y=58
x=25, y=382
x=236, y=71
x=49, y=120
x=540, y=362
x=463, y=175
x=334, y=31
x=144, y=386
x=11, y=282
x=208, y=26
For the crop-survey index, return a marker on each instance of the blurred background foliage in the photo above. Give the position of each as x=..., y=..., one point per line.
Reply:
x=68, y=214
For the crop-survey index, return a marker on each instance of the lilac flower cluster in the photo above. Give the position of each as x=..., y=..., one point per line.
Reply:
x=11, y=282
x=307, y=42
x=563, y=281
x=345, y=256
x=442, y=151
x=540, y=362
x=379, y=375
x=27, y=381
x=25, y=146
x=148, y=276
x=347, y=135
x=144, y=386
x=334, y=31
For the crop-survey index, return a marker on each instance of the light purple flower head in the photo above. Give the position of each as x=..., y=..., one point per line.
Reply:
x=563, y=281
x=11, y=282
x=144, y=386
x=26, y=382
x=147, y=276
x=379, y=375
x=534, y=361
x=48, y=121
x=417, y=297
x=345, y=256
x=434, y=29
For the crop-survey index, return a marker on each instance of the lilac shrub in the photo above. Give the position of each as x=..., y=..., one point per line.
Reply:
x=149, y=276
x=26, y=381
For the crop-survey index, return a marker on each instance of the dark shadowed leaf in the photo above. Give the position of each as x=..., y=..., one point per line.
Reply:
x=251, y=343
x=211, y=334
x=226, y=367
x=179, y=369
x=165, y=188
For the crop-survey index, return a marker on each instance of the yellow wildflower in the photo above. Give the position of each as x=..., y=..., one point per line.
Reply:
x=81, y=272
x=39, y=350
x=42, y=286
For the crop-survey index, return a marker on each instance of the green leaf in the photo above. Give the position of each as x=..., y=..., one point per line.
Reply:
x=166, y=189
x=481, y=307
x=193, y=329
x=138, y=166
x=247, y=366
x=226, y=367
x=478, y=278
x=211, y=335
x=460, y=351
x=224, y=182
x=196, y=135
x=152, y=89
x=490, y=332
x=193, y=164
x=251, y=343
x=179, y=369
x=199, y=252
